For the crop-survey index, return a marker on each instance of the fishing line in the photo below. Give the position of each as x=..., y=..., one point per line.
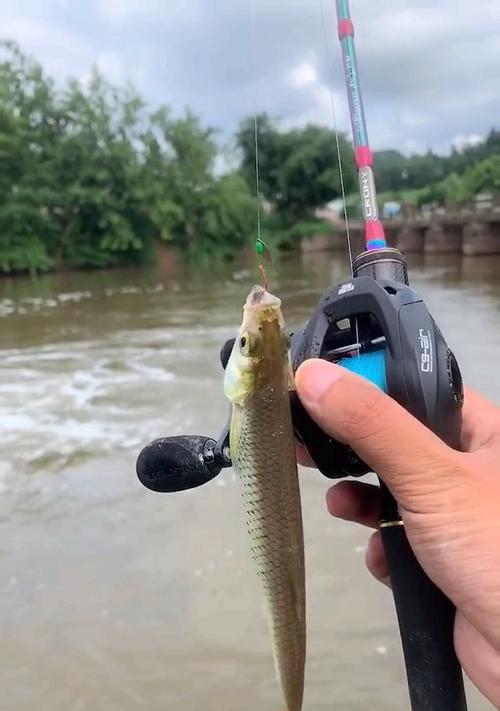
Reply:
x=261, y=247
x=257, y=178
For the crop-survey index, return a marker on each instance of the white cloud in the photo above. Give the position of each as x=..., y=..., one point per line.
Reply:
x=303, y=75
x=464, y=141
x=318, y=109
x=117, y=11
x=61, y=51
x=112, y=66
x=427, y=68
x=316, y=98
x=416, y=119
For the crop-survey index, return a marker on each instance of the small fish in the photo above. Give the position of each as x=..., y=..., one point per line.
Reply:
x=257, y=382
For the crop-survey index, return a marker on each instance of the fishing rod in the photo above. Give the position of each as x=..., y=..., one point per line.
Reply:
x=417, y=369
x=374, y=230
x=375, y=325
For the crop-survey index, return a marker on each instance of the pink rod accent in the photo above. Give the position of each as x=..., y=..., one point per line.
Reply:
x=374, y=230
x=364, y=157
x=346, y=29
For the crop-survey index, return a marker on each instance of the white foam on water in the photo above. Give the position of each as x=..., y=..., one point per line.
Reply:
x=81, y=399
x=66, y=400
x=159, y=375
x=74, y=296
x=241, y=275
x=123, y=290
x=33, y=304
x=6, y=310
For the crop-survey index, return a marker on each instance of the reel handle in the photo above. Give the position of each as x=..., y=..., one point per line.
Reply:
x=175, y=464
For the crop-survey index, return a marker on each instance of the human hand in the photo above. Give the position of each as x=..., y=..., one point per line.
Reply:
x=449, y=501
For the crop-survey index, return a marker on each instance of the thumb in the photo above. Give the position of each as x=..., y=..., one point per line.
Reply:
x=414, y=463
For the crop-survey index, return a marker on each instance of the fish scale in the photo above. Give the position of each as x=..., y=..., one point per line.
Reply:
x=264, y=457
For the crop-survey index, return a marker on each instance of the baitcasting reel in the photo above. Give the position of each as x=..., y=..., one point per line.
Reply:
x=374, y=324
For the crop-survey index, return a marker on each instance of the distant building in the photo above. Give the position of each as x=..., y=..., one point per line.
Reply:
x=391, y=209
x=332, y=212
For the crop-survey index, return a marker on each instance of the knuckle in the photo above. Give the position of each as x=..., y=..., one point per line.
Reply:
x=364, y=414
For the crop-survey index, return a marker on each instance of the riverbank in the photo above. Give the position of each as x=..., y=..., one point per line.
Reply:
x=467, y=233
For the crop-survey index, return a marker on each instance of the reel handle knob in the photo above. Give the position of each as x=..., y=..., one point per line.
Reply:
x=179, y=463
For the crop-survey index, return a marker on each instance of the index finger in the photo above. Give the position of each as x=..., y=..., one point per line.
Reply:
x=481, y=422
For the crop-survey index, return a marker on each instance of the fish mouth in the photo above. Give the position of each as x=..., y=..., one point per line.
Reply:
x=260, y=297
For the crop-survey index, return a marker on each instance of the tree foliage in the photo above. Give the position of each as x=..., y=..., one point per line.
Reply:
x=396, y=171
x=483, y=177
x=89, y=178
x=298, y=169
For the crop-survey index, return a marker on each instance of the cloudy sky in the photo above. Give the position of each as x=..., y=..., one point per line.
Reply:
x=430, y=68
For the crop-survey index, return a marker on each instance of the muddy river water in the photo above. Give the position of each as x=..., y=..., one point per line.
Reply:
x=116, y=599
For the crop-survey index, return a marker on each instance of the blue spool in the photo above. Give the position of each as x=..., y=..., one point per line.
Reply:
x=370, y=366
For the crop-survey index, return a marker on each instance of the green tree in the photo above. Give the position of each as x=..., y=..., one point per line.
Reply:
x=30, y=125
x=102, y=216
x=193, y=209
x=483, y=177
x=309, y=176
x=228, y=218
x=450, y=191
x=89, y=178
x=298, y=168
x=461, y=160
x=422, y=170
x=271, y=154
x=397, y=172
x=183, y=152
x=390, y=166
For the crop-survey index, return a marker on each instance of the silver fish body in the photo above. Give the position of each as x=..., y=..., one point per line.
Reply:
x=258, y=379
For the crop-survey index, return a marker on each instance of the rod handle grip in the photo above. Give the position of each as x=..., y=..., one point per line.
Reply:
x=426, y=624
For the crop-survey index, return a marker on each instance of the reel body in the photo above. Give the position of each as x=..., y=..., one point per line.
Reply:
x=383, y=331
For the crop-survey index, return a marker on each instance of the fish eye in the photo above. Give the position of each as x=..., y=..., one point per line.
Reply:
x=245, y=344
